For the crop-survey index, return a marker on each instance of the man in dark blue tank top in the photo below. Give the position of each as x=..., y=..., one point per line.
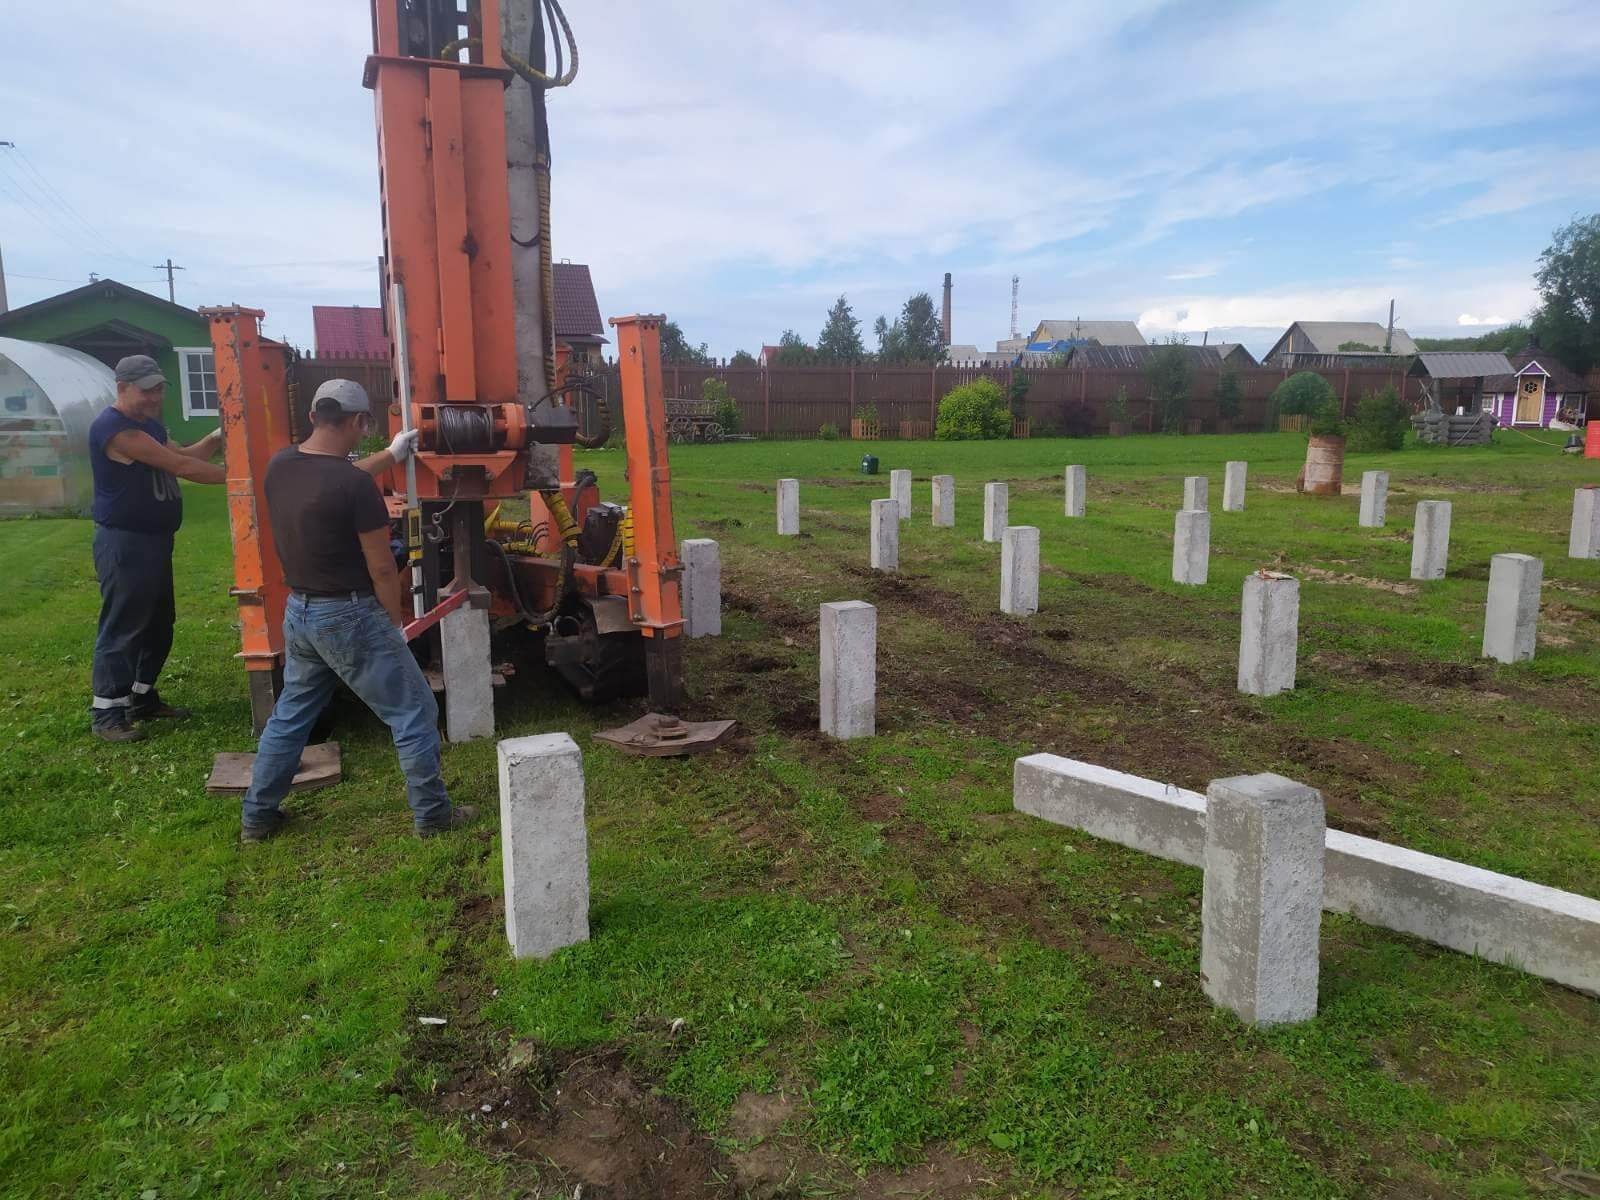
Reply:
x=137, y=510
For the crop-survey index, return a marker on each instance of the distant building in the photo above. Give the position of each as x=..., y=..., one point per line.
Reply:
x=1538, y=391
x=349, y=331
x=1318, y=344
x=356, y=330
x=768, y=356
x=578, y=322
x=1107, y=333
x=1235, y=355
x=108, y=320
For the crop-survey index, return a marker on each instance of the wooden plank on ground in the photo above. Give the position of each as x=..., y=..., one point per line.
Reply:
x=319, y=768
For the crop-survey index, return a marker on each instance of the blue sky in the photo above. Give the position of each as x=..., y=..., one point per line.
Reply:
x=1221, y=168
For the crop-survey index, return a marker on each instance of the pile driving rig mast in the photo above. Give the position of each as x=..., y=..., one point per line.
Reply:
x=468, y=315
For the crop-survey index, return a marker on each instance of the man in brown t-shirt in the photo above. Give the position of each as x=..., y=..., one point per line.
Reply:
x=344, y=617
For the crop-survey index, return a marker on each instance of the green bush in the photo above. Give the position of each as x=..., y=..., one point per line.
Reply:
x=1327, y=422
x=1302, y=393
x=974, y=411
x=727, y=409
x=828, y=432
x=1380, y=422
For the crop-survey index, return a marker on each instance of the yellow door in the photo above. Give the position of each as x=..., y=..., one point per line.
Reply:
x=1530, y=400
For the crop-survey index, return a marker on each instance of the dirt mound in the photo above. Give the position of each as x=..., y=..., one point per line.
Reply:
x=591, y=1116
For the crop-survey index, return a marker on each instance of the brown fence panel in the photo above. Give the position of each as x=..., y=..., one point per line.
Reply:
x=308, y=374
x=795, y=402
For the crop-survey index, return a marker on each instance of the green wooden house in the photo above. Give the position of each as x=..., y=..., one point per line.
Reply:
x=107, y=320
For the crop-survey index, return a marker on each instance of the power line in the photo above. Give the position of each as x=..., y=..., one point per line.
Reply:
x=40, y=214
x=54, y=195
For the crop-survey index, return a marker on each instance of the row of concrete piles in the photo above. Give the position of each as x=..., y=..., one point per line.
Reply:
x=1269, y=616
x=1264, y=837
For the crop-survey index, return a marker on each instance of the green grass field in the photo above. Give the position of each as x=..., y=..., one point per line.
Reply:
x=821, y=968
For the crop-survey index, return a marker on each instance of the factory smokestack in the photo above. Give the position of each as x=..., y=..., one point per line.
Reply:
x=944, y=326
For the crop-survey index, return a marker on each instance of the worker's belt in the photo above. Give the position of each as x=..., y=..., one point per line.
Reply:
x=323, y=597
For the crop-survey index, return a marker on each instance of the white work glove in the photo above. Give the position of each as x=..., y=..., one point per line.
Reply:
x=404, y=445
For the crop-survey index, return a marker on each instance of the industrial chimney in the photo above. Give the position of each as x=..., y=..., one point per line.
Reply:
x=944, y=326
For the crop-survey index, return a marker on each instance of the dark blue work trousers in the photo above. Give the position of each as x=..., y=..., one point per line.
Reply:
x=136, y=613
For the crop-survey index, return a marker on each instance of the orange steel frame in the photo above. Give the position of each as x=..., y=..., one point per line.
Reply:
x=447, y=233
x=253, y=406
x=447, y=237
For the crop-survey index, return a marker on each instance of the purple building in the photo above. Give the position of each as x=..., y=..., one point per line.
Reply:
x=1538, y=391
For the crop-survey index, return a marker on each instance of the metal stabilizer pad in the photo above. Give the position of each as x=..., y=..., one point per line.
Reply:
x=656, y=735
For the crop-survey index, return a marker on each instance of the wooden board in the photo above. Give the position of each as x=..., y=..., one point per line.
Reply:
x=319, y=768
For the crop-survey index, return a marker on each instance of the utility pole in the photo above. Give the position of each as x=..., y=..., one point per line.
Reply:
x=1388, y=337
x=169, y=268
x=3, y=307
x=1015, y=280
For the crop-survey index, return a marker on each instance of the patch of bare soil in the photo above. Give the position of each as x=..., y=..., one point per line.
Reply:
x=1377, y=585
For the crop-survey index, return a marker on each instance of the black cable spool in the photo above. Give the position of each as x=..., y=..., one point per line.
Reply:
x=465, y=428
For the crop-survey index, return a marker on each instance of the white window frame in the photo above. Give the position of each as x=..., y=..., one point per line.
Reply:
x=190, y=412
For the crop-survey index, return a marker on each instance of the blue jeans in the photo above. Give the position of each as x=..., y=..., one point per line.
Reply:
x=326, y=642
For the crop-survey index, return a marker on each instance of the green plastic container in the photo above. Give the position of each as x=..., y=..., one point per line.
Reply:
x=869, y=464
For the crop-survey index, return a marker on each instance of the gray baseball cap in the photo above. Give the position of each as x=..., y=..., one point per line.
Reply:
x=349, y=395
x=140, y=370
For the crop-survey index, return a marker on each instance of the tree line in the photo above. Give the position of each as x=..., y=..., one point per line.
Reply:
x=914, y=336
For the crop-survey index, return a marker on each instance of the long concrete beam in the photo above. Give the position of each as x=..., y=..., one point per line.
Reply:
x=1537, y=929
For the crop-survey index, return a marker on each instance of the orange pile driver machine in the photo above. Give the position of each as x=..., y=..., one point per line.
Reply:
x=490, y=514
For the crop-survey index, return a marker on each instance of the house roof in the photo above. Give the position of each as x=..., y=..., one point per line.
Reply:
x=577, y=311
x=1107, y=333
x=1136, y=357
x=1461, y=364
x=1327, y=336
x=1229, y=349
x=355, y=330
x=1562, y=378
x=99, y=289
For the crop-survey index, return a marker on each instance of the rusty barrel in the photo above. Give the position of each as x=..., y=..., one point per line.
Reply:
x=1325, y=466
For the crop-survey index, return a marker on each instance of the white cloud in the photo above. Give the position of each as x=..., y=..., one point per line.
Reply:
x=1426, y=303
x=1205, y=271
x=740, y=166
x=1469, y=319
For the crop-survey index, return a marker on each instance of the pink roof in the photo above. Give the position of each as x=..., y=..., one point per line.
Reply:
x=349, y=329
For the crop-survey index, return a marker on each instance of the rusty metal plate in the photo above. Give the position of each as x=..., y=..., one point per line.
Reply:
x=656, y=735
x=611, y=615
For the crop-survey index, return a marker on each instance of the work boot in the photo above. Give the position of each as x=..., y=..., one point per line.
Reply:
x=111, y=725
x=461, y=814
x=151, y=707
x=265, y=831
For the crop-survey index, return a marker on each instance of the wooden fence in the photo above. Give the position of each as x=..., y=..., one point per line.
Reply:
x=797, y=402
x=307, y=374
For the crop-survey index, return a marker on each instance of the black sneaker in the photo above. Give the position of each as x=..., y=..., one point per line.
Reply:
x=460, y=815
x=111, y=725
x=265, y=831
x=151, y=707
